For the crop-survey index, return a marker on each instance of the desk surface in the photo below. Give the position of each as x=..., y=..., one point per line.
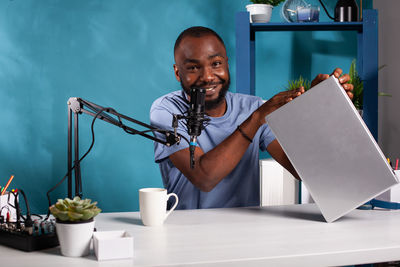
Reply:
x=294, y=235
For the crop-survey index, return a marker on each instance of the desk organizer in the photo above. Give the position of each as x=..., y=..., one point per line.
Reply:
x=5, y=207
x=111, y=245
x=393, y=194
x=26, y=242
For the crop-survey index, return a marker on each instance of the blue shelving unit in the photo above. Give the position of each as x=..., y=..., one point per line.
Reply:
x=367, y=54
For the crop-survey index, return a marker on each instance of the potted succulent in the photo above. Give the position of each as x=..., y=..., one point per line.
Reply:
x=74, y=225
x=260, y=11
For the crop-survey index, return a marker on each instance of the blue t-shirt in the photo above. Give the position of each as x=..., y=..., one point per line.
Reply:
x=240, y=187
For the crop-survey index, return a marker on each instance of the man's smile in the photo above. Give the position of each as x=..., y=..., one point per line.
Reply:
x=211, y=90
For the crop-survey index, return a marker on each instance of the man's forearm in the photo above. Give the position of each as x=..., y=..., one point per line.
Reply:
x=216, y=164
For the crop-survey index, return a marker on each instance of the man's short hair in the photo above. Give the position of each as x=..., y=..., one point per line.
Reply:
x=197, y=31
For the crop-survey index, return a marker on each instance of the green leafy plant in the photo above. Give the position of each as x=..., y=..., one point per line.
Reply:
x=359, y=86
x=294, y=84
x=267, y=2
x=74, y=210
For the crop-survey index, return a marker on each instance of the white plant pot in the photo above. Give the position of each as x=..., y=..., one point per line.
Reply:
x=259, y=13
x=75, y=238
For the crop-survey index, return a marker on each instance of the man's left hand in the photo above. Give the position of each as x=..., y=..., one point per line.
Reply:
x=344, y=79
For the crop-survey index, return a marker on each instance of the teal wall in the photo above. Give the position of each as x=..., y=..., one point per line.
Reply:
x=117, y=54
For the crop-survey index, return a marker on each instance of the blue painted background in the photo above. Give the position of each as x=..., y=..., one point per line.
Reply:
x=118, y=54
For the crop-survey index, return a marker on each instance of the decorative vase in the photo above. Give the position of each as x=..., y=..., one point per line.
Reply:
x=75, y=237
x=259, y=13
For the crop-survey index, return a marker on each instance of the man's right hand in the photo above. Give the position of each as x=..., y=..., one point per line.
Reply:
x=277, y=101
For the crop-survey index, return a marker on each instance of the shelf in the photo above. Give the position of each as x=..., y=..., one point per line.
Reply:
x=367, y=54
x=305, y=26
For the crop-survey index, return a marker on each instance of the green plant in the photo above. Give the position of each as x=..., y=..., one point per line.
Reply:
x=74, y=210
x=359, y=86
x=294, y=84
x=267, y=2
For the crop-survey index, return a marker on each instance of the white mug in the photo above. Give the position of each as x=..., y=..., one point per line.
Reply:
x=153, y=205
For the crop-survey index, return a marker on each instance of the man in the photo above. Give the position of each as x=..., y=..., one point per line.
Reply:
x=226, y=172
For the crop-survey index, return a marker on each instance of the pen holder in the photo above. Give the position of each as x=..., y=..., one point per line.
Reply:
x=5, y=200
x=393, y=194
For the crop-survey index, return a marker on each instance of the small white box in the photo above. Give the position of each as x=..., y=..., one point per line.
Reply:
x=111, y=245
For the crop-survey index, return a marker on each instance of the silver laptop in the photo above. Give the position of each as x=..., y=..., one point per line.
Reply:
x=331, y=149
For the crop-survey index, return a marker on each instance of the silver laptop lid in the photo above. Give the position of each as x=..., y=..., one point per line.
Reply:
x=331, y=149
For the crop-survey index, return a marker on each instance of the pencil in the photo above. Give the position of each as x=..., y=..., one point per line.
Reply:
x=8, y=183
x=390, y=163
x=397, y=164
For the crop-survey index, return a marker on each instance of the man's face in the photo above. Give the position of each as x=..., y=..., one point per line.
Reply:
x=202, y=62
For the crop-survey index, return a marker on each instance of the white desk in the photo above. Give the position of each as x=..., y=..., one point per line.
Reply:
x=294, y=235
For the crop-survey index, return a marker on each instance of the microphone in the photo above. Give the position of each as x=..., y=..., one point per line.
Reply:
x=195, y=118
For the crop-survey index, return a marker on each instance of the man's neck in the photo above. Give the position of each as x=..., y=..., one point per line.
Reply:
x=218, y=111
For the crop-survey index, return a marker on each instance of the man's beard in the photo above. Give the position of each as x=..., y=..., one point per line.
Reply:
x=212, y=104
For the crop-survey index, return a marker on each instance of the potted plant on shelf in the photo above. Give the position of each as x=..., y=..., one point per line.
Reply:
x=74, y=225
x=260, y=11
x=300, y=82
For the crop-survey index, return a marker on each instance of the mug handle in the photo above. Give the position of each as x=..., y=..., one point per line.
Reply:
x=174, y=206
